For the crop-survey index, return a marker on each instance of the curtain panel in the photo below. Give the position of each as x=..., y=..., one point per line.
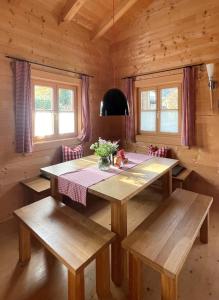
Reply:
x=23, y=106
x=188, y=106
x=85, y=104
x=130, y=120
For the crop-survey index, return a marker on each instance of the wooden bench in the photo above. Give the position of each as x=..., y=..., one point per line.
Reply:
x=179, y=180
x=72, y=238
x=164, y=239
x=37, y=187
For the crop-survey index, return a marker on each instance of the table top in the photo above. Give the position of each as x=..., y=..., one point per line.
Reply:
x=70, y=166
x=120, y=187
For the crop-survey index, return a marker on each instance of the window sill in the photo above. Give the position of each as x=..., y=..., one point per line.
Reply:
x=51, y=144
x=174, y=140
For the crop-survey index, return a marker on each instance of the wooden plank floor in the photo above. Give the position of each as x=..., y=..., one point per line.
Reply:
x=45, y=278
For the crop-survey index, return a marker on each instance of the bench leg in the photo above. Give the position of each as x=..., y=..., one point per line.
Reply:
x=54, y=189
x=24, y=243
x=204, y=230
x=168, y=288
x=135, y=278
x=103, y=274
x=76, y=286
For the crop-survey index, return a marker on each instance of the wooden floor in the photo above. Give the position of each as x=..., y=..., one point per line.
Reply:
x=45, y=278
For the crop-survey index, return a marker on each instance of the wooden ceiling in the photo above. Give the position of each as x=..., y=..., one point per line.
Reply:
x=94, y=15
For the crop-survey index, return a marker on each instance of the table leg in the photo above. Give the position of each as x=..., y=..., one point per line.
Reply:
x=204, y=230
x=119, y=226
x=167, y=183
x=54, y=188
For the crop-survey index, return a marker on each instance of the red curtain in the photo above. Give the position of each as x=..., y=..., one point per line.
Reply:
x=23, y=107
x=86, y=124
x=188, y=106
x=130, y=120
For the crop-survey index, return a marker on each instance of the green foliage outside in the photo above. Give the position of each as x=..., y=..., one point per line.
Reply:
x=65, y=100
x=44, y=98
x=169, y=98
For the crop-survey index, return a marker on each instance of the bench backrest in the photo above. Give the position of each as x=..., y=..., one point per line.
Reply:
x=165, y=238
x=74, y=239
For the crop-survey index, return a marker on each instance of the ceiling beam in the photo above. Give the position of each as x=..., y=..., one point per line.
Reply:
x=70, y=9
x=124, y=6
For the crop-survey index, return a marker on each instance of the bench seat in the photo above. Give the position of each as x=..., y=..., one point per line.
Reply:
x=38, y=187
x=72, y=238
x=181, y=178
x=164, y=239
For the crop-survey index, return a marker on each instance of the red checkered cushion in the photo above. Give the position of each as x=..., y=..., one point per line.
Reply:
x=69, y=153
x=158, y=152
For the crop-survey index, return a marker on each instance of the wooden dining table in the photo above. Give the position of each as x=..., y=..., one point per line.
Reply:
x=118, y=189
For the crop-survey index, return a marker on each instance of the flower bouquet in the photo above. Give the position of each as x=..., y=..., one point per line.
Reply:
x=104, y=149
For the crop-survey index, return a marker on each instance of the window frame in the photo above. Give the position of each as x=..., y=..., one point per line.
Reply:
x=158, y=89
x=56, y=85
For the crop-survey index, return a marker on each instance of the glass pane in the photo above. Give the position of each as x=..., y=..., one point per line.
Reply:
x=66, y=100
x=43, y=97
x=66, y=122
x=44, y=123
x=148, y=121
x=148, y=100
x=169, y=121
x=169, y=98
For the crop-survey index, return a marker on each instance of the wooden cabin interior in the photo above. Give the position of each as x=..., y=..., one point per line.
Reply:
x=109, y=152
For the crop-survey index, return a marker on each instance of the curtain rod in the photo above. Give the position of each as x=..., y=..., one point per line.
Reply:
x=48, y=66
x=162, y=71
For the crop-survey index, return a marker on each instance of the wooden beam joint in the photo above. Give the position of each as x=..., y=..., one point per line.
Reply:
x=70, y=10
x=110, y=20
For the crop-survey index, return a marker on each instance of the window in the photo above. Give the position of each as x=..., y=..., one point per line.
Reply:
x=54, y=109
x=160, y=110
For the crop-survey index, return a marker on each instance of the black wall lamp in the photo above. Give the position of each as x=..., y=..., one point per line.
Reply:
x=114, y=103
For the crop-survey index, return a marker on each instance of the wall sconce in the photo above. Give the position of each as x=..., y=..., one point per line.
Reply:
x=212, y=82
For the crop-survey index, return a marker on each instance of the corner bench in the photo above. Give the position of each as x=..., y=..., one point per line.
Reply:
x=38, y=187
x=72, y=238
x=164, y=239
x=180, y=179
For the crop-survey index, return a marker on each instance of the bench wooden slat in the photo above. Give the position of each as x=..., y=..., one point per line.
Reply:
x=37, y=184
x=74, y=239
x=164, y=240
x=183, y=175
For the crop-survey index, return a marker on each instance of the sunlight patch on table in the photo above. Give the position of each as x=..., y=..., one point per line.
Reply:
x=133, y=181
x=155, y=168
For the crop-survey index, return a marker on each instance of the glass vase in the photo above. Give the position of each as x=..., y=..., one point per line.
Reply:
x=104, y=163
x=112, y=157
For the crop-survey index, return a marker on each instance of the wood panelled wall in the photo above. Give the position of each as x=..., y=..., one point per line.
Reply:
x=27, y=30
x=169, y=34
